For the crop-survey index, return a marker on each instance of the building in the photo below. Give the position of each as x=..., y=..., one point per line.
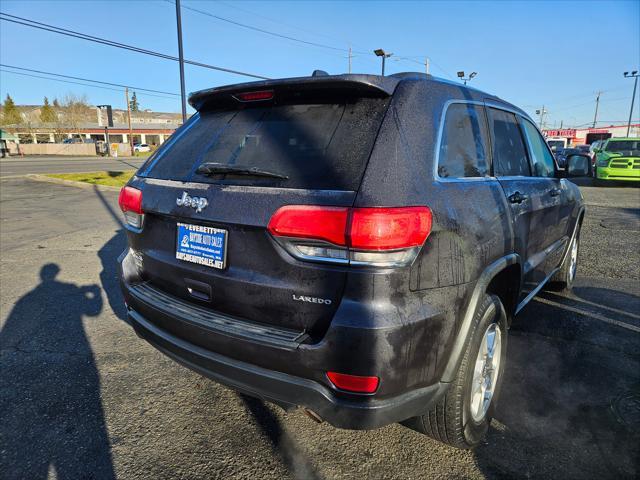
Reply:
x=34, y=133
x=7, y=143
x=580, y=136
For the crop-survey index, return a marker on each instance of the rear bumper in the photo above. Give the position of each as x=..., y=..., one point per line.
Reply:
x=288, y=390
x=292, y=374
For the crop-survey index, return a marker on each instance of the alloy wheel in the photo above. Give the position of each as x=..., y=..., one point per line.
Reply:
x=485, y=372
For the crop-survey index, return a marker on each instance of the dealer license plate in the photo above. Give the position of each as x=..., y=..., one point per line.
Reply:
x=201, y=245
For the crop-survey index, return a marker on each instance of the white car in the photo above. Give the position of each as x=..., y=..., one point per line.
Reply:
x=141, y=147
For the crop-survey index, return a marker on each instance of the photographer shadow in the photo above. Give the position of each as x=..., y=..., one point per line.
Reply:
x=51, y=416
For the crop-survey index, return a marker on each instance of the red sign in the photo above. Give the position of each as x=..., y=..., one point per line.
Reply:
x=567, y=132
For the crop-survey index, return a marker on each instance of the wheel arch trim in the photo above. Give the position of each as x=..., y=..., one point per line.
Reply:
x=457, y=351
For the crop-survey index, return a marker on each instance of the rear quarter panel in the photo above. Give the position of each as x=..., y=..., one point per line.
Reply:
x=471, y=218
x=471, y=229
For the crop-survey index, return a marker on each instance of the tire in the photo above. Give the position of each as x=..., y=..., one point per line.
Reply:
x=563, y=279
x=454, y=420
x=597, y=182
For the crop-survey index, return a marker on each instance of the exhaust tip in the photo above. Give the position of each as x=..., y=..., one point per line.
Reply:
x=312, y=415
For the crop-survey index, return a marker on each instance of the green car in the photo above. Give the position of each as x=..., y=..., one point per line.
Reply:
x=618, y=159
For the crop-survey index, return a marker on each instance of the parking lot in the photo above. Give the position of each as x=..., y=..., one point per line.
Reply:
x=82, y=397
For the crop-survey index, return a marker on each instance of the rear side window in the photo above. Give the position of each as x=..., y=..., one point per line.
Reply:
x=542, y=163
x=509, y=154
x=463, y=147
x=318, y=146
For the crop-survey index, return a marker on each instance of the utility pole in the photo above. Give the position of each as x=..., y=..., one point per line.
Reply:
x=561, y=123
x=126, y=94
x=181, y=61
x=634, y=74
x=426, y=65
x=595, y=116
x=541, y=113
x=349, y=58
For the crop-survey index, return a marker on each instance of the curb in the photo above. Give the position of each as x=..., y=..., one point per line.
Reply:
x=60, y=181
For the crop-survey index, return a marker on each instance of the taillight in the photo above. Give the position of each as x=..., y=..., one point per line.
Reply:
x=130, y=201
x=389, y=228
x=353, y=383
x=304, y=221
x=359, y=236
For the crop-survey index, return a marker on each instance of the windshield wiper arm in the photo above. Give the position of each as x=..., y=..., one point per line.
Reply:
x=220, y=168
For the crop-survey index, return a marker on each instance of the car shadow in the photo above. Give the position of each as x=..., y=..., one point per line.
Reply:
x=570, y=395
x=51, y=417
x=286, y=448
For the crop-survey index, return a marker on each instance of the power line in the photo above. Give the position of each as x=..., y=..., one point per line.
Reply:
x=590, y=102
x=83, y=36
x=251, y=12
x=353, y=53
x=268, y=32
x=563, y=101
x=76, y=83
x=261, y=30
x=137, y=89
x=409, y=59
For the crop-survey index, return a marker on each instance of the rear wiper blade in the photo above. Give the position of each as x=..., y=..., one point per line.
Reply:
x=220, y=168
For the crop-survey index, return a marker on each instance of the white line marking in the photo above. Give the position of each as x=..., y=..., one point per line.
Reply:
x=597, y=316
x=615, y=310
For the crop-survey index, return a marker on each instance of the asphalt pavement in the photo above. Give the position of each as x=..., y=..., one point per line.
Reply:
x=82, y=397
x=17, y=166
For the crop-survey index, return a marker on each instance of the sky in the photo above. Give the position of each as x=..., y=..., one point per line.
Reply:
x=556, y=54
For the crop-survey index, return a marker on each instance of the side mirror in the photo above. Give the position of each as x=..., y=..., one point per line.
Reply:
x=578, y=166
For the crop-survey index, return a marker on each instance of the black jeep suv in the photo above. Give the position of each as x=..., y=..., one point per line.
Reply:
x=354, y=245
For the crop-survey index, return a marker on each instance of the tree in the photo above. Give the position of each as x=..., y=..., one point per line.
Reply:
x=47, y=114
x=76, y=110
x=56, y=103
x=134, y=103
x=10, y=113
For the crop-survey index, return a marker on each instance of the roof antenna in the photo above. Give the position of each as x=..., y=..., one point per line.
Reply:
x=319, y=73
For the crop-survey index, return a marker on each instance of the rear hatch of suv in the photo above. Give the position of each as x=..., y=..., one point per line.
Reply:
x=216, y=183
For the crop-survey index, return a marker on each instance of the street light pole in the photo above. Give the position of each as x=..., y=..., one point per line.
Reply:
x=381, y=53
x=634, y=74
x=466, y=79
x=181, y=61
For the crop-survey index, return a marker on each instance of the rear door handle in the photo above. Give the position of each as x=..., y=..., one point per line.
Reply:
x=554, y=192
x=517, y=197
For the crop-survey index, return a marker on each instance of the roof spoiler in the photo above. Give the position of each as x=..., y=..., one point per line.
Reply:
x=356, y=85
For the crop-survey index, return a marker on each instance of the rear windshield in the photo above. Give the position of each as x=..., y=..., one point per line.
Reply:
x=317, y=146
